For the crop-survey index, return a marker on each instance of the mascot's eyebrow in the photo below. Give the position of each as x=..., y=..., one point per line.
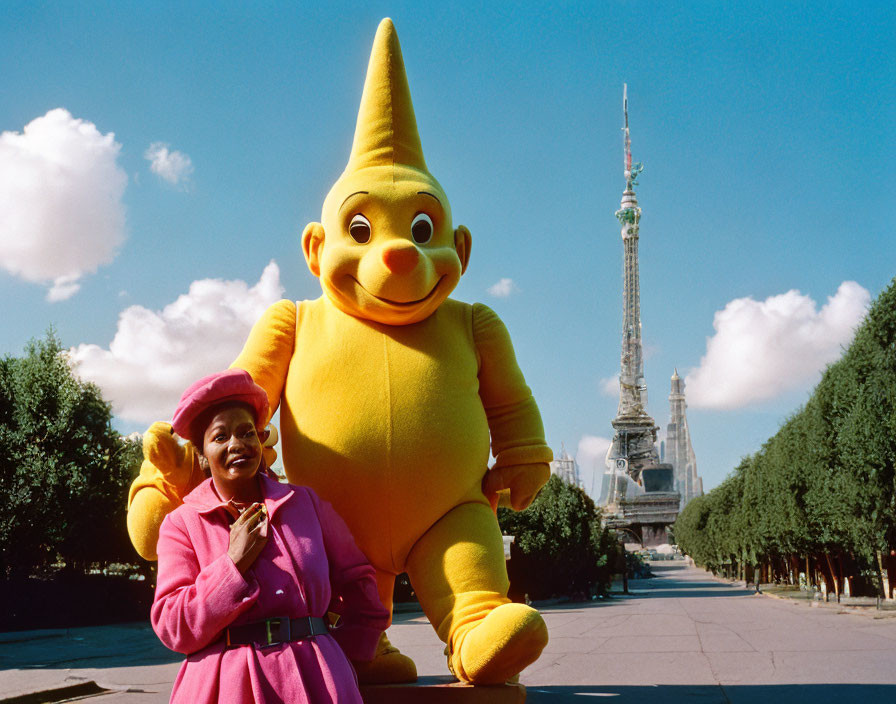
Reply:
x=356, y=193
x=426, y=193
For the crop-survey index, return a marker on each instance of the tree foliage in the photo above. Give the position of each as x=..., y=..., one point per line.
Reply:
x=64, y=472
x=822, y=488
x=560, y=547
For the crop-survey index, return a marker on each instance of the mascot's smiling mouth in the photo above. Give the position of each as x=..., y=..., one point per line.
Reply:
x=399, y=304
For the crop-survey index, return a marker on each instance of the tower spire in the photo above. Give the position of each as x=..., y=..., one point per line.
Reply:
x=627, y=142
x=630, y=170
x=633, y=389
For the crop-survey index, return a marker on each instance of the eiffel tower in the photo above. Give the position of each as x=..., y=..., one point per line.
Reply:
x=633, y=454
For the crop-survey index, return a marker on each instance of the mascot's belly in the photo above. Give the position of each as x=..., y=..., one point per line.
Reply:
x=385, y=422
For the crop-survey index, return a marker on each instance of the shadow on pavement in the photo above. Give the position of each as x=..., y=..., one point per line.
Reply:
x=668, y=581
x=653, y=587
x=702, y=591
x=119, y=645
x=712, y=694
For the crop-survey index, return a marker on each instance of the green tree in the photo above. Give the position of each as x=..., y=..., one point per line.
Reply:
x=64, y=472
x=561, y=549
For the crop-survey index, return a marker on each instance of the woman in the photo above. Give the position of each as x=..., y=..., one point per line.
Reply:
x=249, y=567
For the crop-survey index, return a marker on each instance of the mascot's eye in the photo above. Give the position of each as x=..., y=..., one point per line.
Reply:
x=421, y=228
x=359, y=229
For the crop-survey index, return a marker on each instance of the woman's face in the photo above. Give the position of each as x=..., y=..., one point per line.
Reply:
x=231, y=445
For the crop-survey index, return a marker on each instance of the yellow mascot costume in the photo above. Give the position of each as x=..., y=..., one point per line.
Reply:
x=390, y=394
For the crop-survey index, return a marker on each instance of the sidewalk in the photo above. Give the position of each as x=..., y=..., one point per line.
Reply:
x=121, y=658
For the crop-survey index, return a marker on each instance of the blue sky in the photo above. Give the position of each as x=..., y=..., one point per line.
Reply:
x=766, y=130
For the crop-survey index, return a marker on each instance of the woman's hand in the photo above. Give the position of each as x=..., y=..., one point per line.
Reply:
x=248, y=536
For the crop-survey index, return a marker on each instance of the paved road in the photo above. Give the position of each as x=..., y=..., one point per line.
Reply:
x=686, y=637
x=680, y=637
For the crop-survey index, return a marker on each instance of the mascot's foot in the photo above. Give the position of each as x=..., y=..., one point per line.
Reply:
x=388, y=666
x=500, y=646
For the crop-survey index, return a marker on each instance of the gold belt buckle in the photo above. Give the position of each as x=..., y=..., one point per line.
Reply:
x=280, y=635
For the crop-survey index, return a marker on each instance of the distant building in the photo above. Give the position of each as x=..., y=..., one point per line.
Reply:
x=567, y=469
x=677, y=449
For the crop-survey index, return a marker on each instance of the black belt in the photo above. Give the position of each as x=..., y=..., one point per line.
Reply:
x=274, y=631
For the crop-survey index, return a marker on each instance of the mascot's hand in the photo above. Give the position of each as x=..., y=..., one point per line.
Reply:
x=173, y=462
x=267, y=451
x=522, y=480
x=168, y=473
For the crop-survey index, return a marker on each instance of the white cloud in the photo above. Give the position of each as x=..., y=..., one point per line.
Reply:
x=609, y=386
x=503, y=289
x=591, y=456
x=63, y=288
x=762, y=349
x=173, y=166
x=155, y=355
x=61, y=215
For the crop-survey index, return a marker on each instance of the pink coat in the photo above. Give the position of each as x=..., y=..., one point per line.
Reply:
x=310, y=559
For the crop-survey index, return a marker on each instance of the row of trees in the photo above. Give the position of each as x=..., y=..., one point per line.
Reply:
x=64, y=471
x=819, y=497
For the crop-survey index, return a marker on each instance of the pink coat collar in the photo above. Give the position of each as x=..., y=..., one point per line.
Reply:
x=205, y=499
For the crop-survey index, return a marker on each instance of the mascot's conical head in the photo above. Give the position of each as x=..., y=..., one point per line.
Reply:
x=386, y=131
x=385, y=249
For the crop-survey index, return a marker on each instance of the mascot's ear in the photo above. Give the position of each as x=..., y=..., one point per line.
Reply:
x=313, y=246
x=463, y=241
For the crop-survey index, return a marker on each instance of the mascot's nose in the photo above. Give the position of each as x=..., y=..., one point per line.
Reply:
x=401, y=259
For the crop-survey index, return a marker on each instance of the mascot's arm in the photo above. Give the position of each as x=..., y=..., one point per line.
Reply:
x=521, y=454
x=169, y=472
x=353, y=585
x=268, y=351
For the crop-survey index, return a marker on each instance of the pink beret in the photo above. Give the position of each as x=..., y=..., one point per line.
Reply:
x=213, y=390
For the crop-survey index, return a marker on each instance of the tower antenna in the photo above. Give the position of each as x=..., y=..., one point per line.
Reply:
x=626, y=141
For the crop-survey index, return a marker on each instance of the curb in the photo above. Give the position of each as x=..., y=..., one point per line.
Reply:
x=869, y=610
